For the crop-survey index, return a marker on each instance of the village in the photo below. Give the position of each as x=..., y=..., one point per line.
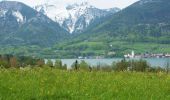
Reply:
x=147, y=55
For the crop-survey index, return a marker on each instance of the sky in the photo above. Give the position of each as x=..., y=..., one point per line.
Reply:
x=103, y=4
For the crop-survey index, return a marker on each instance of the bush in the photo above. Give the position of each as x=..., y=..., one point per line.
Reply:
x=40, y=63
x=64, y=67
x=121, y=66
x=84, y=66
x=58, y=64
x=106, y=68
x=156, y=69
x=4, y=64
x=75, y=65
x=13, y=62
x=140, y=66
x=24, y=61
x=50, y=63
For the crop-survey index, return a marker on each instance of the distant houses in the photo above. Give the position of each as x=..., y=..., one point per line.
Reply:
x=147, y=55
x=132, y=55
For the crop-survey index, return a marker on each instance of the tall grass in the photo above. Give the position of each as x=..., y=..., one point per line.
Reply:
x=53, y=84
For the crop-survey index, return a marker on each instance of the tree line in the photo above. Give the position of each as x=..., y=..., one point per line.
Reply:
x=121, y=66
x=10, y=61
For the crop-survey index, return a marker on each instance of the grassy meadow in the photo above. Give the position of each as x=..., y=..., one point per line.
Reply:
x=53, y=84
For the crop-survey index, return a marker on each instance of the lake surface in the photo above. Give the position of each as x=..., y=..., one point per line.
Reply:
x=154, y=62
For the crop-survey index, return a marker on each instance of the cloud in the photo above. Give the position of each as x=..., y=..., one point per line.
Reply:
x=112, y=3
x=98, y=3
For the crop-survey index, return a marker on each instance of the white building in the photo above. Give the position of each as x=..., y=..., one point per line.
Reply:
x=132, y=55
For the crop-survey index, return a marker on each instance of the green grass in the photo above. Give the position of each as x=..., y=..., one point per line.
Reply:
x=102, y=48
x=53, y=84
x=87, y=49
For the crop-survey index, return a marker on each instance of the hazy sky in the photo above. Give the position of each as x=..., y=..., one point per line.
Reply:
x=98, y=3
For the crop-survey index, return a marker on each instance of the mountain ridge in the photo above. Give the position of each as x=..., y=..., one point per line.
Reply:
x=76, y=17
x=143, y=27
x=21, y=24
x=148, y=15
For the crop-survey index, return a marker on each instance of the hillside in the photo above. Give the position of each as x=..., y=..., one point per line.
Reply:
x=22, y=25
x=144, y=27
x=144, y=21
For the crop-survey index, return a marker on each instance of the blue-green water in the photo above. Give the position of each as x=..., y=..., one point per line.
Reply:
x=154, y=62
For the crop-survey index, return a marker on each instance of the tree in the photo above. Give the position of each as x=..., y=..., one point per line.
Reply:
x=4, y=64
x=140, y=66
x=75, y=65
x=5, y=61
x=24, y=61
x=58, y=64
x=65, y=67
x=49, y=63
x=40, y=62
x=121, y=66
x=167, y=66
x=98, y=66
x=84, y=65
x=13, y=62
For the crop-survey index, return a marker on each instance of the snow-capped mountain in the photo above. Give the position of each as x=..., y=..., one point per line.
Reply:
x=76, y=17
x=21, y=24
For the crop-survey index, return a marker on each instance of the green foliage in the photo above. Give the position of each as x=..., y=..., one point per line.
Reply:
x=132, y=65
x=121, y=66
x=13, y=62
x=4, y=64
x=75, y=65
x=5, y=61
x=140, y=66
x=84, y=65
x=65, y=66
x=49, y=63
x=59, y=65
x=117, y=46
x=40, y=63
x=8, y=61
x=106, y=68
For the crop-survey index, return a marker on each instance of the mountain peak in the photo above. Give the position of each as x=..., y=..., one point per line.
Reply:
x=79, y=5
x=21, y=24
x=74, y=17
x=11, y=5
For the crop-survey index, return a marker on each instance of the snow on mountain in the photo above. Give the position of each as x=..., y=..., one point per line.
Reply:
x=75, y=17
x=19, y=16
x=21, y=24
x=14, y=11
x=2, y=12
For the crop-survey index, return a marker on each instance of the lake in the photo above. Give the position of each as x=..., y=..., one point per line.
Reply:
x=154, y=62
